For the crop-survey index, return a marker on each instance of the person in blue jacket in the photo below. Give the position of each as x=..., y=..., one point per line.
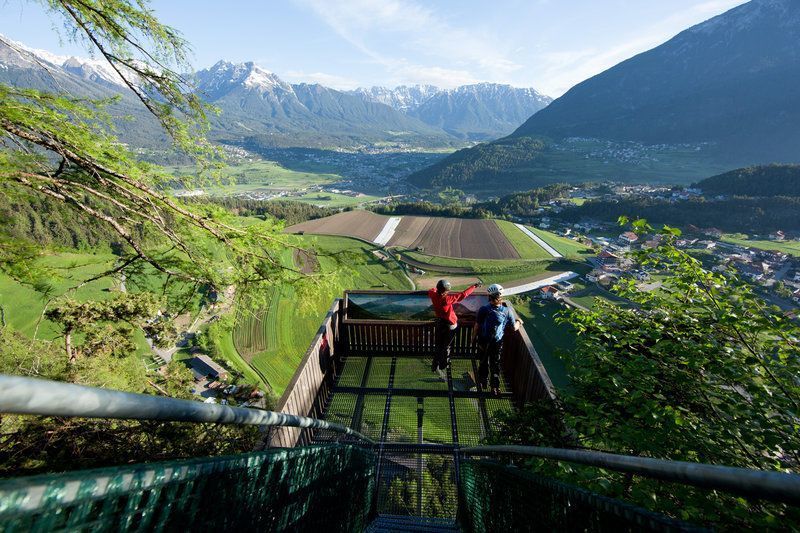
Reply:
x=491, y=324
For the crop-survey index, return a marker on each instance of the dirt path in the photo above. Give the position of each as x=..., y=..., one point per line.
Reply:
x=436, y=268
x=204, y=317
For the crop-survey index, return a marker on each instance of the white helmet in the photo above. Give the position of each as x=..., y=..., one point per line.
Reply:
x=495, y=290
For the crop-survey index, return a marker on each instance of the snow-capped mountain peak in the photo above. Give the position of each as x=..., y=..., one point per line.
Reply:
x=96, y=70
x=478, y=111
x=260, y=78
x=225, y=76
x=402, y=98
x=92, y=69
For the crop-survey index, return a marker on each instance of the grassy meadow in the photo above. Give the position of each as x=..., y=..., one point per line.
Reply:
x=789, y=247
x=276, y=339
x=525, y=246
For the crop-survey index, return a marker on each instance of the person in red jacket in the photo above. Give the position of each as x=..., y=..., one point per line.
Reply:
x=446, y=322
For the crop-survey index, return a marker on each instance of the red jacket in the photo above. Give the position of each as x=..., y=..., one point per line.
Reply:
x=443, y=303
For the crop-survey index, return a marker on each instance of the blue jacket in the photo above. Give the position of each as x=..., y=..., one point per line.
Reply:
x=493, y=321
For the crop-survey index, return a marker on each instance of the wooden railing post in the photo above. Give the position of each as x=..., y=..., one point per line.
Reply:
x=525, y=371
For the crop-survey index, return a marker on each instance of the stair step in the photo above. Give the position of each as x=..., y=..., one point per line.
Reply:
x=412, y=524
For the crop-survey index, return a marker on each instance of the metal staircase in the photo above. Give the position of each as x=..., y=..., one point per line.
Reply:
x=419, y=423
x=331, y=487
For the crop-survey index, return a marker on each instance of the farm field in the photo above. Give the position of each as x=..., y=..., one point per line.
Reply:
x=495, y=271
x=257, y=175
x=22, y=307
x=454, y=237
x=564, y=246
x=364, y=225
x=435, y=236
x=525, y=246
x=329, y=199
x=787, y=247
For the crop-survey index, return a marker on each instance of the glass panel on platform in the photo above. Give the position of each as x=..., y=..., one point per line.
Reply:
x=404, y=306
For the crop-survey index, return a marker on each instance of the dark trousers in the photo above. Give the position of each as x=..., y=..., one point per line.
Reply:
x=490, y=352
x=444, y=341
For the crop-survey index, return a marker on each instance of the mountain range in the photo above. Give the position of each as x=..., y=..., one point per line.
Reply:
x=86, y=78
x=258, y=106
x=478, y=112
x=720, y=95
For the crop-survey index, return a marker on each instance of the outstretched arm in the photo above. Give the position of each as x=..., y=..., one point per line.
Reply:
x=457, y=297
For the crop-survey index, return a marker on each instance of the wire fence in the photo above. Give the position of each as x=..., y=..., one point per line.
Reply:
x=495, y=497
x=316, y=488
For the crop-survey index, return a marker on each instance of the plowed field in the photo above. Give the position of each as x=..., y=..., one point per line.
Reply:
x=446, y=237
x=364, y=225
x=454, y=237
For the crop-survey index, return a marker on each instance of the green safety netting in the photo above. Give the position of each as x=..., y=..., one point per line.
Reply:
x=327, y=488
x=495, y=497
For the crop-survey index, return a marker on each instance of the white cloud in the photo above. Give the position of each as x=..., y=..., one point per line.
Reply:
x=444, y=55
x=409, y=42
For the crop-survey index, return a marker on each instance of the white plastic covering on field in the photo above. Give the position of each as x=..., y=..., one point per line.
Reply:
x=387, y=232
x=547, y=248
x=552, y=280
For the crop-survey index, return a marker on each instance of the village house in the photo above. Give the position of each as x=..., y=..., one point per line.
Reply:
x=564, y=286
x=606, y=258
x=600, y=276
x=549, y=293
x=628, y=238
x=203, y=367
x=777, y=236
x=653, y=243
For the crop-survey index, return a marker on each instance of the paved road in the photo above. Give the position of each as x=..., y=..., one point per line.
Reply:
x=563, y=276
x=547, y=248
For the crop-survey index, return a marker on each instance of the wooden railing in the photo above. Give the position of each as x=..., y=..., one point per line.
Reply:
x=524, y=370
x=312, y=381
x=380, y=337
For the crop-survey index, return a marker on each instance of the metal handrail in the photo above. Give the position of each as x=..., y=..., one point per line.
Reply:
x=31, y=396
x=774, y=486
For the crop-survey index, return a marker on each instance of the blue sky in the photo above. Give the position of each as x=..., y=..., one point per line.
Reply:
x=547, y=44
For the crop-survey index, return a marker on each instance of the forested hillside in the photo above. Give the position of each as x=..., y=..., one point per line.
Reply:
x=733, y=215
x=484, y=164
x=767, y=180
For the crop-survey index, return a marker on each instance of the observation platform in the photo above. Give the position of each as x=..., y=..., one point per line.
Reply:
x=369, y=369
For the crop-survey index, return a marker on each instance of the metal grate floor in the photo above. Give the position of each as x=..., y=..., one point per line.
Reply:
x=419, y=421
